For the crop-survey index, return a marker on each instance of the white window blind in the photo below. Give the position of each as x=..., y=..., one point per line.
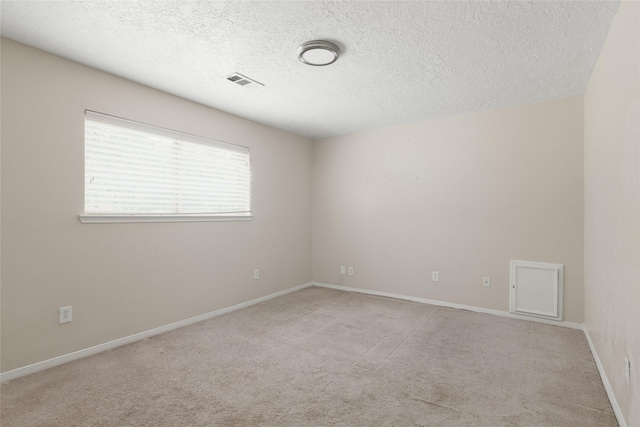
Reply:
x=137, y=169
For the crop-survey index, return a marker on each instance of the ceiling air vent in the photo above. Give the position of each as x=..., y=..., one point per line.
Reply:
x=242, y=80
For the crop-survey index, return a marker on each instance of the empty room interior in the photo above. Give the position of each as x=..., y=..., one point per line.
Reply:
x=320, y=213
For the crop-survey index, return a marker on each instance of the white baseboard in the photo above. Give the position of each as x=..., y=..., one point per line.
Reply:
x=605, y=381
x=39, y=366
x=452, y=305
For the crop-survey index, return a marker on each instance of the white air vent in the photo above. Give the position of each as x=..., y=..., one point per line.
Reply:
x=241, y=80
x=536, y=289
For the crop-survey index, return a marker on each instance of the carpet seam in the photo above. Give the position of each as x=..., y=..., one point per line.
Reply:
x=565, y=401
x=410, y=335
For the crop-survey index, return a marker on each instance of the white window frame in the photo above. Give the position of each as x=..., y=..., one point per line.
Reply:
x=97, y=217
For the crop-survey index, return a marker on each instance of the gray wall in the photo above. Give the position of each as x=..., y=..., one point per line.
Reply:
x=126, y=278
x=612, y=208
x=462, y=195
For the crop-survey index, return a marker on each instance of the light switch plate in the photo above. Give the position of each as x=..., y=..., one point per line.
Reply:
x=627, y=370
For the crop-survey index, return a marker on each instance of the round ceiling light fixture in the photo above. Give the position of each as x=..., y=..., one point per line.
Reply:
x=318, y=53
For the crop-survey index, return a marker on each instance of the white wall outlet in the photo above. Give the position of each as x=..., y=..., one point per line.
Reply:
x=350, y=271
x=342, y=269
x=627, y=370
x=256, y=274
x=435, y=276
x=486, y=281
x=64, y=315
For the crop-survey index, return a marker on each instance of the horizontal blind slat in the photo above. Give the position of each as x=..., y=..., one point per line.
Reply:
x=129, y=170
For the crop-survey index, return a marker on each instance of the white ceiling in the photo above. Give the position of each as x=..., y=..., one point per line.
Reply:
x=401, y=61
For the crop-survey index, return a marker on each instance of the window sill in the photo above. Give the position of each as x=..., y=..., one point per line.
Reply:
x=113, y=218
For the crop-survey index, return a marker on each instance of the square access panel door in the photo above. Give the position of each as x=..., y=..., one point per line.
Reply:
x=536, y=289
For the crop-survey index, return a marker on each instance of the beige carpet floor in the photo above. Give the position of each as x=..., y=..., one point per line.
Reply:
x=321, y=357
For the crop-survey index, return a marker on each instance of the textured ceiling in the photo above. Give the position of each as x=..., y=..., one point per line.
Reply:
x=402, y=60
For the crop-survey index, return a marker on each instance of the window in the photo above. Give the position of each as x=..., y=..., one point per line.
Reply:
x=137, y=172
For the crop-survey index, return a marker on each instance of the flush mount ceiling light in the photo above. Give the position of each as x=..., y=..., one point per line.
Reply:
x=318, y=53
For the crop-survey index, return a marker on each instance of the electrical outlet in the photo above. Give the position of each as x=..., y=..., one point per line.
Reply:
x=435, y=277
x=627, y=370
x=64, y=315
x=350, y=271
x=486, y=281
x=342, y=269
x=256, y=274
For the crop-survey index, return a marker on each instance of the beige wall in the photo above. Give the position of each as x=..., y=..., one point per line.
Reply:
x=126, y=278
x=462, y=195
x=612, y=208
